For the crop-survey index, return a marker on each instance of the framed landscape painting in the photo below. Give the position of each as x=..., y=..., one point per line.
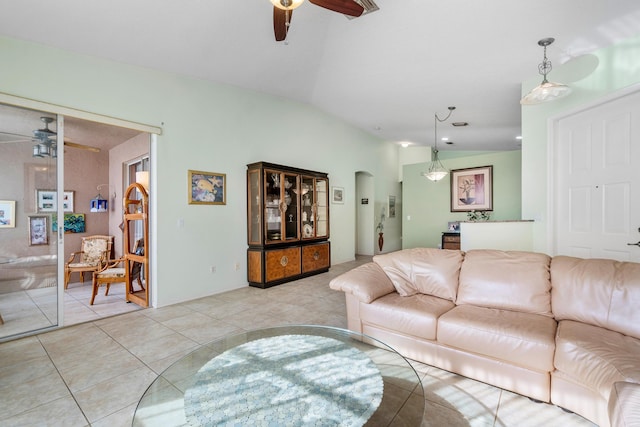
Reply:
x=472, y=189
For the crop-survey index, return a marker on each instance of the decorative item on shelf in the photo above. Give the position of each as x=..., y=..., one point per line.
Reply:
x=545, y=91
x=99, y=203
x=436, y=171
x=475, y=216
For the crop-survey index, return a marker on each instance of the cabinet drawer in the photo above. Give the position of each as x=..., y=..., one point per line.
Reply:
x=453, y=239
x=315, y=257
x=282, y=263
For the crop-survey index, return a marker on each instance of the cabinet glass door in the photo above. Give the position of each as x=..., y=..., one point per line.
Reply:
x=281, y=206
x=322, y=208
x=253, y=205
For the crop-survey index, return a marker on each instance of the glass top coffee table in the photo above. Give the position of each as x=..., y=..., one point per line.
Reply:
x=290, y=375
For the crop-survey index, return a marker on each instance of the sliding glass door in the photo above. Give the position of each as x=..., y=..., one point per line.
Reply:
x=30, y=205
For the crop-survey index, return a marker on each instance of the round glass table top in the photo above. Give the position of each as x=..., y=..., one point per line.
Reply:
x=289, y=375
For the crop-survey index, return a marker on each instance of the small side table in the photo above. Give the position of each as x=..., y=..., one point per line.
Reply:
x=450, y=240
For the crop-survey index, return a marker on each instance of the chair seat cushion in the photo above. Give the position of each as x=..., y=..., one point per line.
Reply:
x=523, y=339
x=83, y=265
x=112, y=272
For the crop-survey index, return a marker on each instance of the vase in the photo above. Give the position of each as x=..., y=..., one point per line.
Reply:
x=380, y=241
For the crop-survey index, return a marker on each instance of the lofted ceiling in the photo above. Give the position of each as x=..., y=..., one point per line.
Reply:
x=386, y=72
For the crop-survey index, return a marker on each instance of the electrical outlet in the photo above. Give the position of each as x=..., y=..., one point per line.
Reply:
x=212, y=268
x=237, y=266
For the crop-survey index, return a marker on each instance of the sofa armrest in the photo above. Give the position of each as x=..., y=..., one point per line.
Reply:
x=366, y=283
x=624, y=404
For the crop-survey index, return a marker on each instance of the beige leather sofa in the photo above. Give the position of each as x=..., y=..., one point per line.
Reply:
x=561, y=330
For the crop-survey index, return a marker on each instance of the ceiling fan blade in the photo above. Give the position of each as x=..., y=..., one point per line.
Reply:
x=81, y=146
x=281, y=22
x=347, y=7
x=8, y=138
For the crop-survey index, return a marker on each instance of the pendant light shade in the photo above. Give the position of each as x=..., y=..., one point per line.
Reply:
x=436, y=171
x=286, y=4
x=545, y=91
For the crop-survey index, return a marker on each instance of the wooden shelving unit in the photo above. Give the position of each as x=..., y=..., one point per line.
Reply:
x=135, y=205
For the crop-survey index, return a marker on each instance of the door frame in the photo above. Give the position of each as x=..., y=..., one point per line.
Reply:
x=61, y=112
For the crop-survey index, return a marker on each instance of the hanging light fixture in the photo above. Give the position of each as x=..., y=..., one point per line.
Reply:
x=545, y=91
x=46, y=147
x=436, y=170
x=286, y=4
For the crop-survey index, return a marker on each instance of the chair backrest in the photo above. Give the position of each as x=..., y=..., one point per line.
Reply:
x=95, y=248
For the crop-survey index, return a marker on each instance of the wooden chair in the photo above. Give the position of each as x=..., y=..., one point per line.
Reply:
x=113, y=273
x=93, y=256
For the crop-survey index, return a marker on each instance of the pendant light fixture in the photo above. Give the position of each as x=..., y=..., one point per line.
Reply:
x=46, y=147
x=436, y=170
x=286, y=4
x=545, y=91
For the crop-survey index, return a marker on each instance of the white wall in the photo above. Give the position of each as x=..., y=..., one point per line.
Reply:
x=213, y=128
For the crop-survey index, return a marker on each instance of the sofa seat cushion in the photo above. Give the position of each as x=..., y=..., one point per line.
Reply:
x=427, y=271
x=624, y=404
x=596, y=356
x=522, y=339
x=416, y=315
x=507, y=280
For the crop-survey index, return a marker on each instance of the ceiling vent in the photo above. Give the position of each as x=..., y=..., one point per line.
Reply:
x=369, y=6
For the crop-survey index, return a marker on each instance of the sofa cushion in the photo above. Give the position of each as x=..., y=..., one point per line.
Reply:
x=366, y=282
x=508, y=280
x=624, y=404
x=416, y=315
x=597, y=357
x=427, y=271
x=600, y=292
x=522, y=339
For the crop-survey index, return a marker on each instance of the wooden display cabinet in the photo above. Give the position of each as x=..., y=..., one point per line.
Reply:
x=287, y=223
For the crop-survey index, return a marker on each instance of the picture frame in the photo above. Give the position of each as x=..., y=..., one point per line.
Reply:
x=7, y=213
x=472, y=189
x=337, y=195
x=207, y=188
x=38, y=230
x=73, y=223
x=47, y=201
x=392, y=207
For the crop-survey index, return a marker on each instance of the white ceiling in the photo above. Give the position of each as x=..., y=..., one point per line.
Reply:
x=387, y=72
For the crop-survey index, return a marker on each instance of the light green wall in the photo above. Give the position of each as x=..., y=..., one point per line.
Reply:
x=208, y=127
x=618, y=68
x=428, y=203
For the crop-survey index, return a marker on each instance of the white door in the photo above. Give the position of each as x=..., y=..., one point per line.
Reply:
x=597, y=181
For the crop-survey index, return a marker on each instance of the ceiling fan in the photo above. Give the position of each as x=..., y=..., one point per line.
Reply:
x=283, y=10
x=45, y=139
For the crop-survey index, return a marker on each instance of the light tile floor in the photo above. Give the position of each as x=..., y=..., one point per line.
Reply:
x=94, y=373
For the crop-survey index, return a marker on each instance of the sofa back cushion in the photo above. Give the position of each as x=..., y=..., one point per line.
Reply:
x=427, y=271
x=509, y=280
x=599, y=292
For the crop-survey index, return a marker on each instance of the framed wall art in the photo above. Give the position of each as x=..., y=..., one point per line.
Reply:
x=472, y=189
x=73, y=223
x=7, y=213
x=38, y=230
x=207, y=188
x=47, y=200
x=337, y=195
x=392, y=207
